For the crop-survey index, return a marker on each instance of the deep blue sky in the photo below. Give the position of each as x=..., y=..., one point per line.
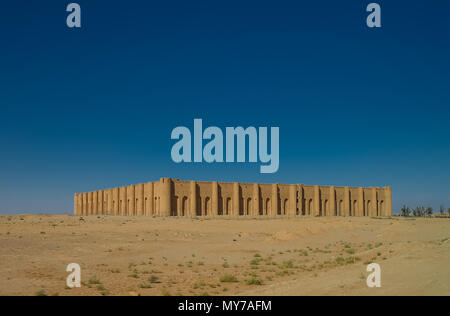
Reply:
x=91, y=108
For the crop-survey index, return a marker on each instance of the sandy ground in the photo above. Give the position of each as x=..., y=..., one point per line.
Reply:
x=179, y=256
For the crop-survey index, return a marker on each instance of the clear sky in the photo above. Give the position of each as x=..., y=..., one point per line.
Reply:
x=93, y=108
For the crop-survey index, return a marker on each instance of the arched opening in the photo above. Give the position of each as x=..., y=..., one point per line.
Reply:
x=145, y=206
x=381, y=208
x=220, y=211
x=241, y=207
x=268, y=207
x=184, y=205
x=285, y=206
x=174, y=211
x=340, y=208
x=228, y=207
x=368, y=209
x=325, y=208
x=199, y=207
x=249, y=206
x=207, y=206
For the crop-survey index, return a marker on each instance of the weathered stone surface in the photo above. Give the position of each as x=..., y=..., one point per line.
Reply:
x=170, y=197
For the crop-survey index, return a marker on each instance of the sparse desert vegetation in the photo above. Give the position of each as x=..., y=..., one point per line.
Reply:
x=203, y=257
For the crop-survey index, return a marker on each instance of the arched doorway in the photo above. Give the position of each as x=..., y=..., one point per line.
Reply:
x=184, y=206
x=249, y=206
x=220, y=210
x=268, y=206
x=207, y=206
x=199, y=209
x=241, y=206
x=174, y=211
x=228, y=206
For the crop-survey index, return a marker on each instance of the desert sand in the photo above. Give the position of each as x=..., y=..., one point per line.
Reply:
x=248, y=256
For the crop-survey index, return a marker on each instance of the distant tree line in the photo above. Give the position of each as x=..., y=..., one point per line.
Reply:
x=421, y=211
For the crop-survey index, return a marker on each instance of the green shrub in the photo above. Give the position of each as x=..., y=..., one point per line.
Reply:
x=228, y=278
x=254, y=281
x=40, y=293
x=94, y=280
x=287, y=264
x=153, y=279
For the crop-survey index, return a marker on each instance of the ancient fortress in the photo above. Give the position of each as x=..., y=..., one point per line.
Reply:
x=170, y=197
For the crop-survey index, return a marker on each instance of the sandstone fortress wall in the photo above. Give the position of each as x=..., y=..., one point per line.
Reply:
x=170, y=197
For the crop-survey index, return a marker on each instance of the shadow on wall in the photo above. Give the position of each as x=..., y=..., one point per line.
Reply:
x=169, y=197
